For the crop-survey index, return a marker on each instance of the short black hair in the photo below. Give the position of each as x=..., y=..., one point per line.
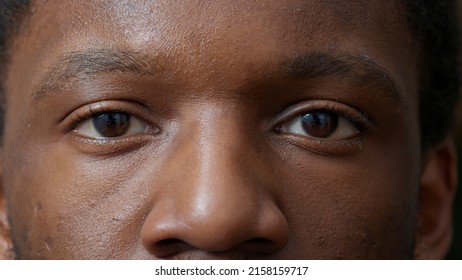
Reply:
x=434, y=25
x=12, y=13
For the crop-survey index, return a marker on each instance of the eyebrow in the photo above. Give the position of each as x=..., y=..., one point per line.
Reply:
x=79, y=65
x=359, y=68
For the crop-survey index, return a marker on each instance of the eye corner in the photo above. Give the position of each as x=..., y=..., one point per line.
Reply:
x=279, y=128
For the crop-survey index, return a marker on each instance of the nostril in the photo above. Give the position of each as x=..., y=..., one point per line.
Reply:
x=167, y=247
x=260, y=240
x=168, y=242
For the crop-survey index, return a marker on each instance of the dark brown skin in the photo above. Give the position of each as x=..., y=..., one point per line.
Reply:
x=212, y=166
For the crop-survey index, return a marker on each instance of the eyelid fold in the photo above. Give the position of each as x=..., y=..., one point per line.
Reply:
x=359, y=118
x=87, y=128
x=340, y=146
x=81, y=117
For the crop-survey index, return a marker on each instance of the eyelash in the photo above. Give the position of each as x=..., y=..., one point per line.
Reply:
x=85, y=113
x=358, y=117
x=91, y=110
x=359, y=120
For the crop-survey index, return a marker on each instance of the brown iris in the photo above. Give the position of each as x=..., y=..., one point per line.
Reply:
x=320, y=124
x=111, y=124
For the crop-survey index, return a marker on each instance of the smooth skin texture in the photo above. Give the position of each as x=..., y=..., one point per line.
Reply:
x=216, y=163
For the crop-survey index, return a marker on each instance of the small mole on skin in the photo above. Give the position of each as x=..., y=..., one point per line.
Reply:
x=38, y=206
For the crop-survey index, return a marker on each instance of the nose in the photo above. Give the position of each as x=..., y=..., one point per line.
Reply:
x=216, y=197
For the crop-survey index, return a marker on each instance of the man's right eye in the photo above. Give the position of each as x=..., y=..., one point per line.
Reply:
x=108, y=125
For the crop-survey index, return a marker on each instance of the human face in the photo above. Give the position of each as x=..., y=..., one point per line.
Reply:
x=219, y=129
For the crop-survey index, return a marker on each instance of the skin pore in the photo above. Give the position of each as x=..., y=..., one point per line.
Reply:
x=264, y=129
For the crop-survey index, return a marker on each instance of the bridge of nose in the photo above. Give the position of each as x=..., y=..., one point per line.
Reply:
x=215, y=195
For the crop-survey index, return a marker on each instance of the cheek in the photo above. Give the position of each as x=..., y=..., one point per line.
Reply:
x=356, y=207
x=65, y=205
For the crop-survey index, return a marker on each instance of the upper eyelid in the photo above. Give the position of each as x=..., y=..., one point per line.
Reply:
x=306, y=106
x=85, y=112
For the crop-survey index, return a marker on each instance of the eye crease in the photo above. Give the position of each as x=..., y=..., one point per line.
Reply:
x=322, y=124
x=111, y=125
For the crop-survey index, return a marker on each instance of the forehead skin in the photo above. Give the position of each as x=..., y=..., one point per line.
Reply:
x=218, y=179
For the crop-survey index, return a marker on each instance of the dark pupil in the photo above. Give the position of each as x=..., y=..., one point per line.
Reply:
x=111, y=124
x=320, y=124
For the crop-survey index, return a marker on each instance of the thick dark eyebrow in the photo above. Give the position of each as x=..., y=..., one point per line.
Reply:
x=79, y=65
x=359, y=68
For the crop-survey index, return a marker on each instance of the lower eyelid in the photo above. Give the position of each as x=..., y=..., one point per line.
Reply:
x=111, y=147
x=326, y=147
x=115, y=146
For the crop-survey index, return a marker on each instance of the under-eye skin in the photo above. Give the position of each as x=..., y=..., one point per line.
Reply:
x=324, y=126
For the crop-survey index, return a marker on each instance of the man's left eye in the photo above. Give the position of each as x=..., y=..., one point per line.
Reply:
x=322, y=124
x=111, y=125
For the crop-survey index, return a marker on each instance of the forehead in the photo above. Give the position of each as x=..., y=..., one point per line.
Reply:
x=143, y=24
x=217, y=36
